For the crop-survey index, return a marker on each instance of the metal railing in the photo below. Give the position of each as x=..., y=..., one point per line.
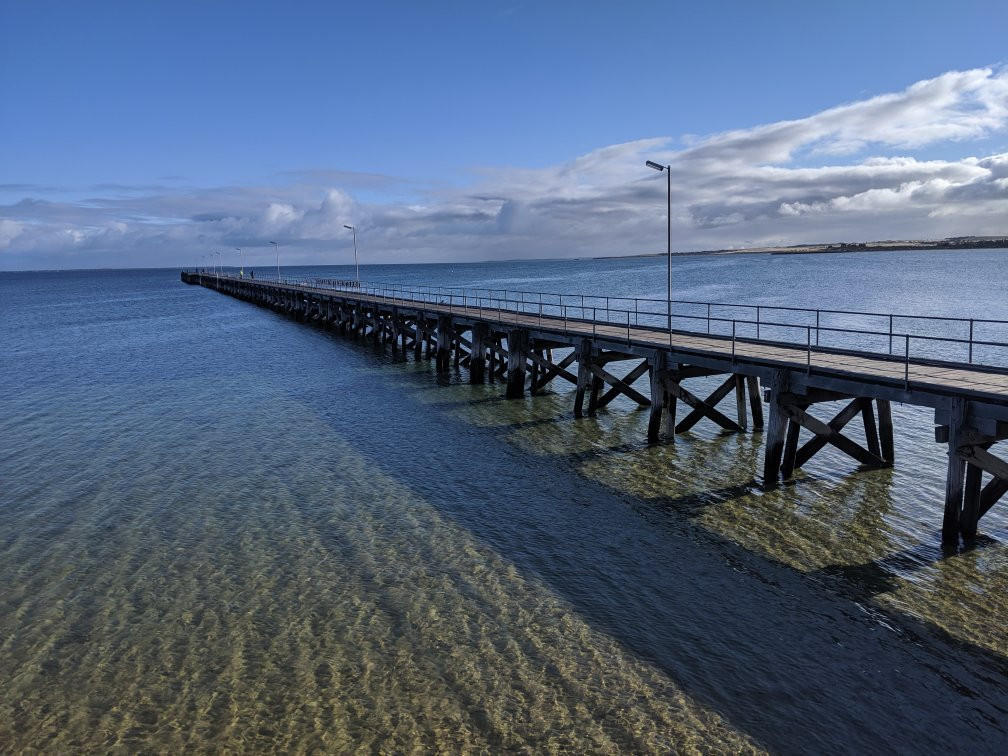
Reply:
x=908, y=338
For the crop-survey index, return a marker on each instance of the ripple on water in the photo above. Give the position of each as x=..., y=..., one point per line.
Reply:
x=299, y=611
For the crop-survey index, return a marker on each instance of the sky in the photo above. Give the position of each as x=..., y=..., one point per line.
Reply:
x=153, y=134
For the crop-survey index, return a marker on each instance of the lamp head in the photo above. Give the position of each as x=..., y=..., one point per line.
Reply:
x=656, y=166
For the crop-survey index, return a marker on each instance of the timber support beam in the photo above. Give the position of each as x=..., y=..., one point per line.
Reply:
x=970, y=436
x=517, y=358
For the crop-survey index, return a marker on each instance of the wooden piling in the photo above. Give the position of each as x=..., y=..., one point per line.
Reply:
x=517, y=358
x=740, y=402
x=477, y=357
x=885, y=430
x=955, y=475
x=442, y=361
x=658, y=397
x=776, y=430
x=584, y=375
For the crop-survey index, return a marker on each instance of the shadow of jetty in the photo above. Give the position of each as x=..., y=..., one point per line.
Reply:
x=791, y=658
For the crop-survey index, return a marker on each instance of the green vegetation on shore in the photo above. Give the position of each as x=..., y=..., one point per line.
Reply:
x=953, y=242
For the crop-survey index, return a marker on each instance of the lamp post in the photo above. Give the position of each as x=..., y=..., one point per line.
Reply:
x=668, y=175
x=352, y=228
x=278, y=259
x=220, y=265
x=241, y=262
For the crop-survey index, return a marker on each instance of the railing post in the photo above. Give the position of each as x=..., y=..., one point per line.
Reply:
x=906, y=368
x=890, y=334
x=971, y=342
x=758, y=310
x=808, y=347
x=733, y=341
x=708, y=318
x=817, y=327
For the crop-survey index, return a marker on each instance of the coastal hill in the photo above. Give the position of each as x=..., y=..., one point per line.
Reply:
x=953, y=242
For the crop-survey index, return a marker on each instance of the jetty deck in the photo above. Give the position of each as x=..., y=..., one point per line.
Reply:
x=517, y=337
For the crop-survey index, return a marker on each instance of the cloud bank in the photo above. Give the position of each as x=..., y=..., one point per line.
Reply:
x=855, y=172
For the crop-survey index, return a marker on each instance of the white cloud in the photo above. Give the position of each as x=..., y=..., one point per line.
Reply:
x=9, y=231
x=848, y=173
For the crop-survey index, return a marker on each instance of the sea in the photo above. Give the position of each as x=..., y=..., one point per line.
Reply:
x=222, y=530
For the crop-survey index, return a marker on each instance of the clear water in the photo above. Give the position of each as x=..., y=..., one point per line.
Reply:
x=224, y=530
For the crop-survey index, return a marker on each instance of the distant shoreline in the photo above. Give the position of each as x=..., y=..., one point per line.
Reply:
x=959, y=242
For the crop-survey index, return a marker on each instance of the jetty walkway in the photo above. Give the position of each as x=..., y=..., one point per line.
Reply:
x=789, y=359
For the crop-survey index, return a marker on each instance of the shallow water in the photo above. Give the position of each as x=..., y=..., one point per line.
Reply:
x=225, y=530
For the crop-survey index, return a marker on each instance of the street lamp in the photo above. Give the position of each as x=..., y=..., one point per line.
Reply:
x=278, y=259
x=220, y=265
x=355, y=254
x=241, y=262
x=668, y=175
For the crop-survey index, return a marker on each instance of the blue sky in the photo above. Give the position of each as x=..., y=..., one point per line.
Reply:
x=142, y=133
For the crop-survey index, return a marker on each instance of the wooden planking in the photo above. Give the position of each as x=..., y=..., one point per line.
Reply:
x=955, y=380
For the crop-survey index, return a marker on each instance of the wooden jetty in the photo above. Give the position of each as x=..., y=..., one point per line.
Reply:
x=499, y=336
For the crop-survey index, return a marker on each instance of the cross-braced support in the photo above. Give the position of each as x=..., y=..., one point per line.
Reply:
x=789, y=415
x=667, y=390
x=970, y=432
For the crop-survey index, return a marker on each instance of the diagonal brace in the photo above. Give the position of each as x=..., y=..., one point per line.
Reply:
x=704, y=408
x=628, y=380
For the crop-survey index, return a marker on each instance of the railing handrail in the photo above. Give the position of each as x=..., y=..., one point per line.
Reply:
x=532, y=303
x=523, y=293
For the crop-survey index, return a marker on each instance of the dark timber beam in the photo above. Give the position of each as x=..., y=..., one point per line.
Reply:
x=978, y=502
x=517, y=358
x=788, y=459
x=444, y=334
x=776, y=428
x=584, y=359
x=755, y=402
x=621, y=386
x=477, y=354
x=885, y=430
x=625, y=386
x=955, y=475
x=659, y=397
x=553, y=370
x=817, y=426
x=740, y=402
x=701, y=408
x=844, y=416
x=993, y=491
